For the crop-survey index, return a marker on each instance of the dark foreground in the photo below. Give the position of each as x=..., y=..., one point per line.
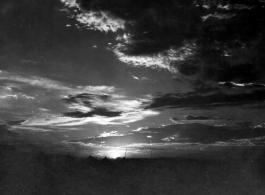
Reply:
x=39, y=173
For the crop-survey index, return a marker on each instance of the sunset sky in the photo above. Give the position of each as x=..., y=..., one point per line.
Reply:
x=99, y=76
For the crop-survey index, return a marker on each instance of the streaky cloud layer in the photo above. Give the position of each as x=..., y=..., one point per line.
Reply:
x=104, y=105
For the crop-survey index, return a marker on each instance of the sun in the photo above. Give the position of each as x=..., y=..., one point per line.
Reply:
x=115, y=153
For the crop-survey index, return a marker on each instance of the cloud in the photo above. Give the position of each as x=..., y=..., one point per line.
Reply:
x=12, y=80
x=173, y=135
x=219, y=16
x=209, y=42
x=242, y=85
x=102, y=21
x=144, y=32
x=139, y=78
x=44, y=109
x=110, y=134
x=140, y=128
x=205, y=120
x=164, y=60
x=87, y=104
x=197, y=100
x=97, y=89
x=9, y=96
x=32, y=81
x=236, y=6
x=65, y=121
x=102, y=105
x=191, y=117
x=19, y=127
x=70, y=3
x=95, y=112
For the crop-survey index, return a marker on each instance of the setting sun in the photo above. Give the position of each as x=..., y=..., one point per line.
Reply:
x=115, y=153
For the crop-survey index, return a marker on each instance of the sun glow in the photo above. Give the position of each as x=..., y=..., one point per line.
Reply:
x=115, y=153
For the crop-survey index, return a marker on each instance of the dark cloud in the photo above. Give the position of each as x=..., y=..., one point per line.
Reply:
x=100, y=107
x=154, y=25
x=242, y=85
x=87, y=100
x=188, y=133
x=17, y=122
x=207, y=101
x=191, y=117
x=227, y=36
x=96, y=111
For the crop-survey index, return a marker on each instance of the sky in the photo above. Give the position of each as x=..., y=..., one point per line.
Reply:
x=139, y=77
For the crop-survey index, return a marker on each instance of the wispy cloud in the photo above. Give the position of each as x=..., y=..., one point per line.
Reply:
x=178, y=136
x=217, y=99
x=218, y=16
x=124, y=118
x=102, y=21
x=96, y=20
x=44, y=83
x=32, y=81
x=110, y=134
x=58, y=104
x=168, y=59
x=242, y=85
x=236, y=6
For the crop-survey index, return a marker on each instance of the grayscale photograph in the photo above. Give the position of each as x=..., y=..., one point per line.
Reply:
x=132, y=97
